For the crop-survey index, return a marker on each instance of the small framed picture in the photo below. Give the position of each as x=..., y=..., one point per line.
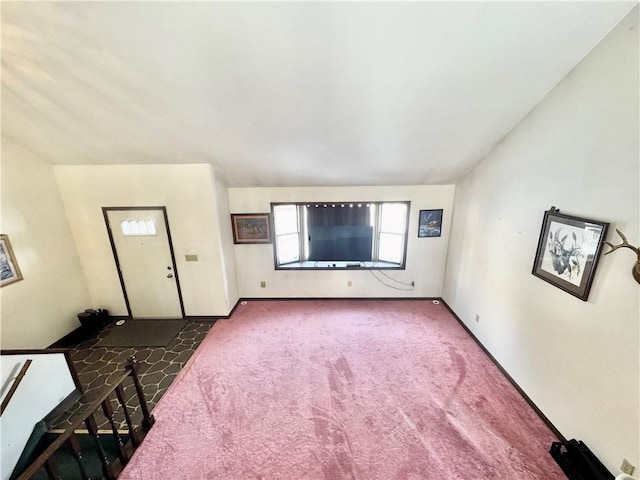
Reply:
x=9, y=269
x=251, y=227
x=568, y=252
x=430, y=224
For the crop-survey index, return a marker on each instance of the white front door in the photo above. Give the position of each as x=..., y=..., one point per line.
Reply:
x=142, y=250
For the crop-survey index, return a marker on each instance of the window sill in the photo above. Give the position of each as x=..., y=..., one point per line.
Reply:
x=308, y=265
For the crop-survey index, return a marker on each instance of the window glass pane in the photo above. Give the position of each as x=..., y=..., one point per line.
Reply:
x=393, y=217
x=151, y=227
x=286, y=219
x=288, y=248
x=138, y=228
x=390, y=247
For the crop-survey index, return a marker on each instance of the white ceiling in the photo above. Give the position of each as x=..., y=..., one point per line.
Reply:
x=283, y=94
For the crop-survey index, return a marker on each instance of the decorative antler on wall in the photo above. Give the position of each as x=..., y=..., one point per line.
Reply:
x=625, y=243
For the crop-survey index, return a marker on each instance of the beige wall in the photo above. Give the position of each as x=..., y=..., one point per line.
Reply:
x=188, y=194
x=42, y=308
x=578, y=150
x=226, y=243
x=425, y=256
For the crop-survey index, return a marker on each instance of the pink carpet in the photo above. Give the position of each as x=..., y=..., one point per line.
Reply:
x=342, y=389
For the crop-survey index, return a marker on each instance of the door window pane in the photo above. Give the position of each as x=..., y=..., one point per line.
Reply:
x=132, y=228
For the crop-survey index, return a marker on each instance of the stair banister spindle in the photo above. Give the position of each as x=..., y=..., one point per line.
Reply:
x=77, y=454
x=92, y=428
x=52, y=471
x=133, y=367
x=127, y=416
x=107, y=408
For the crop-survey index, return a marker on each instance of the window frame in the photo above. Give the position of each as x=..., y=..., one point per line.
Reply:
x=299, y=232
x=375, y=264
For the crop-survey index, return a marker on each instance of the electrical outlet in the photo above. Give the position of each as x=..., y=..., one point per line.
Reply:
x=263, y=284
x=626, y=467
x=349, y=283
x=477, y=318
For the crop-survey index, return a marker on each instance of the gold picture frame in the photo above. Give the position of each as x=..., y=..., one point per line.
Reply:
x=251, y=228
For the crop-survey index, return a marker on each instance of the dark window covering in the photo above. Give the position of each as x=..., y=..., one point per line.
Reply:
x=338, y=214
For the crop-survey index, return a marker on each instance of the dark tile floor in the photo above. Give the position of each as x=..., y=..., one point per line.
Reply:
x=98, y=366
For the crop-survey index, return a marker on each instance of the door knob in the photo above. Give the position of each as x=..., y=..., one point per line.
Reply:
x=170, y=275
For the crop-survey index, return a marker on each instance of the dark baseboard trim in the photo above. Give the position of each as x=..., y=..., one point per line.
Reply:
x=33, y=351
x=214, y=317
x=256, y=299
x=67, y=340
x=240, y=300
x=522, y=393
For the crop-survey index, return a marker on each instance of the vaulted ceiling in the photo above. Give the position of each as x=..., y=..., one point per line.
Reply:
x=283, y=94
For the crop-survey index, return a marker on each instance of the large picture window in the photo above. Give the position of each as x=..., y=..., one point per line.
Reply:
x=340, y=235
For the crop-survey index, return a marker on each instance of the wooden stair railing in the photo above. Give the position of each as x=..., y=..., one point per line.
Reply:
x=110, y=469
x=14, y=385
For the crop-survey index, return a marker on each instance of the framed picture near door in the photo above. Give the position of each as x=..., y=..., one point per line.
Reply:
x=9, y=269
x=251, y=227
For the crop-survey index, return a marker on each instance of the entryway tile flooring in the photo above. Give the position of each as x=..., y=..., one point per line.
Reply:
x=99, y=366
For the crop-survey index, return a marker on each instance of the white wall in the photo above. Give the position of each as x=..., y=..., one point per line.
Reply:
x=42, y=308
x=188, y=194
x=578, y=150
x=425, y=256
x=46, y=383
x=223, y=224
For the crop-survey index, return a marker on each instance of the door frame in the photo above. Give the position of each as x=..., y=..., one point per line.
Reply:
x=105, y=211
